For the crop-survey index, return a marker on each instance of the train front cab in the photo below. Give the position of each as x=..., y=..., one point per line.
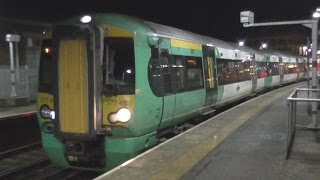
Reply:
x=69, y=104
x=86, y=87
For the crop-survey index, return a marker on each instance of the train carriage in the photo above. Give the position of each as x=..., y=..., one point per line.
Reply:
x=110, y=84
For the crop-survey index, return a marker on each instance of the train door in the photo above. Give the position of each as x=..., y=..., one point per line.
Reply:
x=210, y=76
x=76, y=91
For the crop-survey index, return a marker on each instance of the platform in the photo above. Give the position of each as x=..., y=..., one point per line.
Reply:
x=17, y=111
x=15, y=101
x=245, y=142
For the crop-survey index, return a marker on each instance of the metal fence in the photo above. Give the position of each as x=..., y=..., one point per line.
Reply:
x=292, y=101
x=26, y=82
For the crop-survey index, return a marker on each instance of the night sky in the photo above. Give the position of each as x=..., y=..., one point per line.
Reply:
x=215, y=18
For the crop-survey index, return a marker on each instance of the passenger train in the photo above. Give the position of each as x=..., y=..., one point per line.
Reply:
x=109, y=84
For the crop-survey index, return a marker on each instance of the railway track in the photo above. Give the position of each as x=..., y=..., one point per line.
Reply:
x=21, y=159
x=18, y=150
x=31, y=162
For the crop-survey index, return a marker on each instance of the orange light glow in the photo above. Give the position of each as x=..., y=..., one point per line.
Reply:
x=291, y=66
x=192, y=62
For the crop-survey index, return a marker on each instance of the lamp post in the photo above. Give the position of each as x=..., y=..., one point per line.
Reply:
x=13, y=38
x=247, y=18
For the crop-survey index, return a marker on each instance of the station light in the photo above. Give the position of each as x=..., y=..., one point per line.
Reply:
x=241, y=43
x=304, y=48
x=264, y=45
x=316, y=14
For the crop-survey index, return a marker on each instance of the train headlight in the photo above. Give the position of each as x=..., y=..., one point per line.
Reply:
x=123, y=115
x=45, y=112
x=85, y=19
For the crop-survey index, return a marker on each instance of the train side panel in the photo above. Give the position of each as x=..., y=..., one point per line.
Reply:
x=236, y=90
x=260, y=83
x=189, y=103
x=290, y=77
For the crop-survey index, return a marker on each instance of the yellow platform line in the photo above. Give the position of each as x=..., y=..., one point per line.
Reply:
x=185, y=162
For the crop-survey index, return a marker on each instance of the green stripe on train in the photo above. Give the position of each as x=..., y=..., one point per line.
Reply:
x=268, y=81
x=220, y=93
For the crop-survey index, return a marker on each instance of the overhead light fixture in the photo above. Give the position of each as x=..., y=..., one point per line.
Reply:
x=304, y=48
x=316, y=14
x=264, y=45
x=241, y=43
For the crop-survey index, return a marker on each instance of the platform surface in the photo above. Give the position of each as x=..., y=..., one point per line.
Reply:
x=17, y=111
x=245, y=142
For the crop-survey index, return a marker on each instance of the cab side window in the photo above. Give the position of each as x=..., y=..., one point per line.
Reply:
x=160, y=73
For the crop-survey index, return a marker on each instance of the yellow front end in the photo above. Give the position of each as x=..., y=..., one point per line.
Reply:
x=73, y=87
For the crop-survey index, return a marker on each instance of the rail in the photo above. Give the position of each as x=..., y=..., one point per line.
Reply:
x=292, y=101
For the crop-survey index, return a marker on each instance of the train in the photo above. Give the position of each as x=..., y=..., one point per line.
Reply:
x=110, y=84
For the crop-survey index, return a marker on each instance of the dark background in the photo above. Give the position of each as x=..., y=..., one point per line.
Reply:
x=215, y=18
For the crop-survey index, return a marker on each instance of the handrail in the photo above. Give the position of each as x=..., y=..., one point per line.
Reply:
x=291, y=123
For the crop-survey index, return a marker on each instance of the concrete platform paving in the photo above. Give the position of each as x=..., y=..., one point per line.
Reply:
x=257, y=150
x=245, y=142
x=17, y=111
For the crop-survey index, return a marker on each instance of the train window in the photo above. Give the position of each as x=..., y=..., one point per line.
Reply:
x=273, y=68
x=302, y=67
x=161, y=73
x=226, y=71
x=247, y=71
x=285, y=68
x=239, y=71
x=262, y=71
x=194, y=73
x=291, y=68
x=231, y=71
x=119, y=65
x=46, y=73
x=154, y=73
x=174, y=74
x=180, y=71
x=167, y=73
x=222, y=71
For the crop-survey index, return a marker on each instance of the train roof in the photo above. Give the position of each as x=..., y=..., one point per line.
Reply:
x=142, y=26
x=284, y=55
x=167, y=31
